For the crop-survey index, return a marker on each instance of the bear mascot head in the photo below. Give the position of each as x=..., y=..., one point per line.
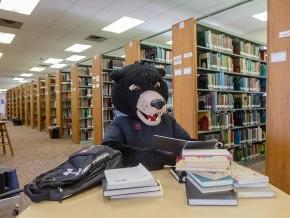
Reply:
x=140, y=92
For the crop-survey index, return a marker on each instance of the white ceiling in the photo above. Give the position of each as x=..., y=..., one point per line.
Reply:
x=57, y=24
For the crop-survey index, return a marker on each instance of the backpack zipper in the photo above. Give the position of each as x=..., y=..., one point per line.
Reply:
x=60, y=194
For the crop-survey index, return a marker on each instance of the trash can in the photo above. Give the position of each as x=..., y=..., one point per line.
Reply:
x=16, y=121
x=54, y=132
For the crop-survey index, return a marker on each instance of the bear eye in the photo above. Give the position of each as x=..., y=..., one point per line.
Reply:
x=133, y=87
x=157, y=85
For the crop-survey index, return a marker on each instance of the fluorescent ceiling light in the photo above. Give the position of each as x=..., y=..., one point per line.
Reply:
x=123, y=56
x=78, y=48
x=123, y=24
x=75, y=58
x=6, y=37
x=57, y=66
x=18, y=78
x=3, y=90
x=169, y=42
x=261, y=16
x=26, y=74
x=22, y=81
x=53, y=61
x=37, y=69
x=1, y=54
x=19, y=6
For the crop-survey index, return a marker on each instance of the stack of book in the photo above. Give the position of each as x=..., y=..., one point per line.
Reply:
x=208, y=180
x=131, y=182
x=250, y=184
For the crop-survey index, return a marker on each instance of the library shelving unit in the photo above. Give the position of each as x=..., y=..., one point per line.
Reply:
x=223, y=79
x=17, y=109
x=40, y=90
x=81, y=103
x=33, y=99
x=27, y=105
x=50, y=101
x=63, y=102
x=14, y=104
x=9, y=104
x=22, y=103
x=103, y=112
x=154, y=55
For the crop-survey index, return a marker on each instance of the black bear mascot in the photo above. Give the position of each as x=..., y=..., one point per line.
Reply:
x=141, y=93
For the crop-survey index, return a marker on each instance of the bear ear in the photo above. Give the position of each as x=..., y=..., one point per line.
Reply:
x=116, y=75
x=161, y=72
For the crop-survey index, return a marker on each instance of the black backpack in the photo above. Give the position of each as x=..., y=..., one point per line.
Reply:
x=82, y=170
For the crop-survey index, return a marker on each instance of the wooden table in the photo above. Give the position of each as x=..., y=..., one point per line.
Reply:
x=173, y=204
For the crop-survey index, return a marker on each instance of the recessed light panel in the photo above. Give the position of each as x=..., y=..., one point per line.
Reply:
x=53, y=61
x=261, y=16
x=169, y=42
x=18, y=78
x=37, y=69
x=26, y=74
x=3, y=90
x=57, y=66
x=6, y=37
x=75, y=58
x=19, y=6
x=122, y=25
x=78, y=48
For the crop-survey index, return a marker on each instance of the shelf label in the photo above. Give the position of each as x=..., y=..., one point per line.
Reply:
x=130, y=44
x=187, y=70
x=178, y=57
x=177, y=62
x=98, y=78
x=97, y=85
x=278, y=56
x=284, y=34
x=187, y=55
x=181, y=25
x=177, y=72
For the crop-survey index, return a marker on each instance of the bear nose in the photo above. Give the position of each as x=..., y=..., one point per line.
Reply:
x=157, y=103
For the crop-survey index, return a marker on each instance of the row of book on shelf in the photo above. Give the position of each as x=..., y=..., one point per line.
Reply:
x=221, y=81
x=223, y=120
x=220, y=101
x=231, y=44
x=155, y=54
x=210, y=176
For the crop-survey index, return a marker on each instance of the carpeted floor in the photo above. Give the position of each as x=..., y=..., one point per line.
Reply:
x=35, y=153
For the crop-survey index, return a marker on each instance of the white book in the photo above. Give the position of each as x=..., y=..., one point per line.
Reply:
x=126, y=191
x=253, y=185
x=206, y=152
x=263, y=192
x=244, y=175
x=129, y=177
x=139, y=195
x=210, y=189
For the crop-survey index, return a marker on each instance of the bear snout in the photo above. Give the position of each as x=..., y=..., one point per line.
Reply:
x=158, y=103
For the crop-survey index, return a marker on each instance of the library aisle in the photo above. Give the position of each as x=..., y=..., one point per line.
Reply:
x=35, y=153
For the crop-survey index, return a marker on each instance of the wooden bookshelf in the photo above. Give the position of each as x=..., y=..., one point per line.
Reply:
x=33, y=99
x=103, y=112
x=278, y=137
x=132, y=52
x=27, y=104
x=63, y=102
x=81, y=103
x=50, y=101
x=14, y=102
x=40, y=94
x=9, y=104
x=209, y=74
x=22, y=103
x=17, y=88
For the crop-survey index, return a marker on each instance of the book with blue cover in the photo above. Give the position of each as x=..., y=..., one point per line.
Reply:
x=207, y=182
